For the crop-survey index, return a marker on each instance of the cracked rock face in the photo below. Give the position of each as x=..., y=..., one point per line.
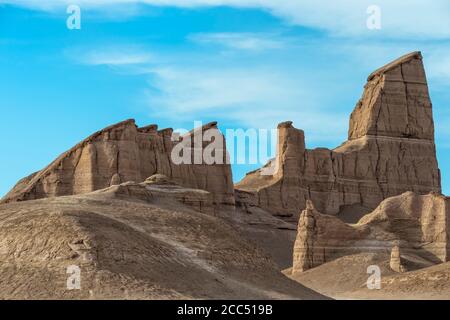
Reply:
x=418, y=222
x=395, y=102
x=122, y=153
x=322, y=238
x=390, y=150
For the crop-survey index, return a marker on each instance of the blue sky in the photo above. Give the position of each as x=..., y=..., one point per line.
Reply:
x=246, y=64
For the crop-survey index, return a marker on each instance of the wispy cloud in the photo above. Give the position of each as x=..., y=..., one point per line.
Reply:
x=438, y=64
x=254, y=96
x=415, y=18
x=114, y=56
x=296, y=83
x=116, y=59
x=241, y=41
x=257, y=98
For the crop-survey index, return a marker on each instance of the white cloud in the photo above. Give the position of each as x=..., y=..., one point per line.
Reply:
x=186, y=90
x=116, y=58
x=125, y=56
x=257, y=98
x=192, y=87
x=241, y=41
x=400, y=19
x=438, y=65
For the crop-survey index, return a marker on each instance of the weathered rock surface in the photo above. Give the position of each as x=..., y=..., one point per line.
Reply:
x=390, y=150
x=158, y=189
x=396, y=263
x=132, y=242
x=322, y=238
x=347, y=277
x=419, y=223
x=122, y=153
x=141, y=226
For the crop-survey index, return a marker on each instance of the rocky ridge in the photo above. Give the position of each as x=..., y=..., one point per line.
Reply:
x=390, y=150
x=121, y=153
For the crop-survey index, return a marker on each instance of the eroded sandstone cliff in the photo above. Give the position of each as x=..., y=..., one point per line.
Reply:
x=122, y=153
x=390, y=150
x=419, y=224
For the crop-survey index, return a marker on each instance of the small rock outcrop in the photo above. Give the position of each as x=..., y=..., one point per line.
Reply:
x=158, y=179
x=122, y=153
x=322, y=238
x=419, y=222
x=159, y=189
x=396, y=262
x=390, y=150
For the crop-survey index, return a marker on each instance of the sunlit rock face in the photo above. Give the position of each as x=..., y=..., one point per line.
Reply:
x=121, y=153
x=390, y=150
x=418, y=224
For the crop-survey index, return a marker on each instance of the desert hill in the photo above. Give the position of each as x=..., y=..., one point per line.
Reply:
x=406, y=237
x=137, y=225
x=346, y=278
x=133, y=241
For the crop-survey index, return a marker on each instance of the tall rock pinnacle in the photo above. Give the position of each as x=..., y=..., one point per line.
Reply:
x=395, y=103
x=390, y=150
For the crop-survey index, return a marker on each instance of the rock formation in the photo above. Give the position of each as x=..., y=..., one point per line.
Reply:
x=390, y=150
x=159, y=189
x=419, y=222
x=133, y=241
x=396, y=262
x=122, y=153
x=322, y=238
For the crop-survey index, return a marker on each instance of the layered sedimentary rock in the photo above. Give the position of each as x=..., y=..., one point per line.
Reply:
x=390, y=150
x=322, y=238
x=130, y=243
x=158, y=189
x=418, y=223
x=396, y=262
x=124, y=152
